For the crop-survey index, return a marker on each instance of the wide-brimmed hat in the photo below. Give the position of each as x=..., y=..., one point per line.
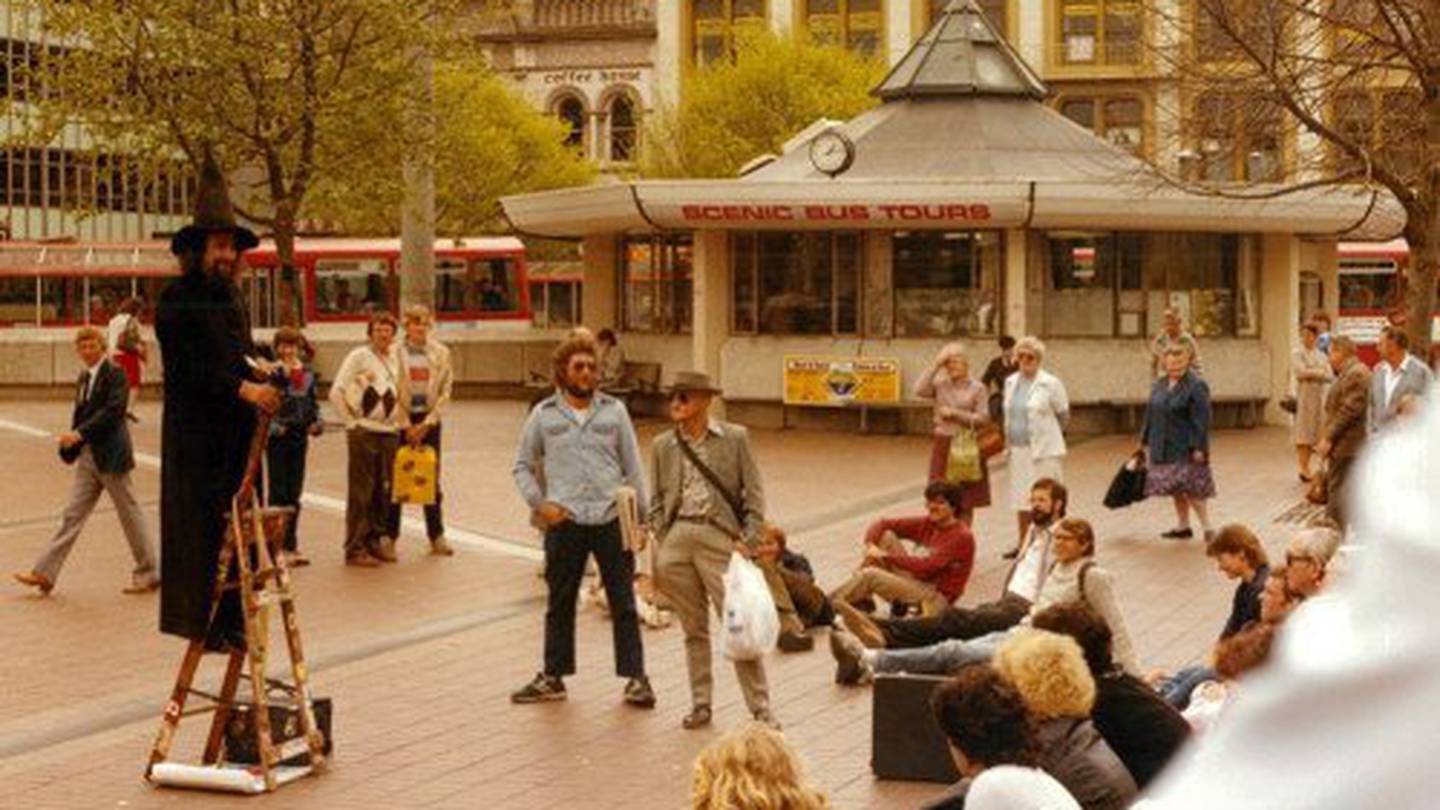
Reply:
x=693, y=381
x=213, y=214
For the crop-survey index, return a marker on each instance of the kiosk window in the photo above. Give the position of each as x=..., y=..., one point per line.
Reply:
x=656, y=275
x=946, y=283
x=797, y=283
x=1119, y=284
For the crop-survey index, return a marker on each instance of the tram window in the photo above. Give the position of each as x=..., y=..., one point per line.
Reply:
x=107, y=293
x=449, y=285
x=62, y=300
x=495, y=287
x=560, y=306
x=1367, y=290
x=350, y=286
x=17, y=299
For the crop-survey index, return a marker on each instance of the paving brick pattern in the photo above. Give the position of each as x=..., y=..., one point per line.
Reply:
x=420, y=657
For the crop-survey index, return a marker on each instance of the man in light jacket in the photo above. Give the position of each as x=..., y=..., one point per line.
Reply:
x=1399, y=374
x=425, y=382
x=698, y=523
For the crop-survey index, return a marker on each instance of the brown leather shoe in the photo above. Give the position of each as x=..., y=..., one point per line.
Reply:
x=861, y=625
x=441, y=547
x=385, y=551
x=138, y=587
x=362, y=560
x=699, y=717
x=36, y=579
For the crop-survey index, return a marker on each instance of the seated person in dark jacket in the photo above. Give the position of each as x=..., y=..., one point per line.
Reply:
x=799, y=601
x=1050, y=673
x=1238, y=554
x=1141, y=728
x=991, y=735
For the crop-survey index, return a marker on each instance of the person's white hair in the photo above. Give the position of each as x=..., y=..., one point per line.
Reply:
x=1318, y=543
x=1032, y=344
x=952, y=349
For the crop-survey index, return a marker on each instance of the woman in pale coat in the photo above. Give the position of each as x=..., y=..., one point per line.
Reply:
x=1036, y=409
x=1312, y=373
x=961, y=404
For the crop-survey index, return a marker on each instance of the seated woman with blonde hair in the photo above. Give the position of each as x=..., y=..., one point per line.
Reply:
x=751, y=768
x=1050, y=673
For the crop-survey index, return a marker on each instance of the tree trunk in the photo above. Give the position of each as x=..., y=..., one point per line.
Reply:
x=290, y=309
x=1423, y=234
x=417, y=214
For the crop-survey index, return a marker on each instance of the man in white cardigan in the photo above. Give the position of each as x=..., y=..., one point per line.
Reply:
x=366, y=395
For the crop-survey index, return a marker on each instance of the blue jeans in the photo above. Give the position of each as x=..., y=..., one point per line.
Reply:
x=942, y=658
x=1176, y=689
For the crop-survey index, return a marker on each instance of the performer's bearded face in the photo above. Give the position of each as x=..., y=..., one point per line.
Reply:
x=580, y=376
x=220, y=258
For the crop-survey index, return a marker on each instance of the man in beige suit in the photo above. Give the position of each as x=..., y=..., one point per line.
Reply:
x=698, y=523
x=1347, y=404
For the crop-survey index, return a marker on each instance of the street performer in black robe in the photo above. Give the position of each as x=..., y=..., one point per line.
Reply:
x=211, y=394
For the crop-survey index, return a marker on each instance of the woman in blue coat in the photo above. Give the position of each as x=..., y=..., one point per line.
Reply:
x=1176, y=441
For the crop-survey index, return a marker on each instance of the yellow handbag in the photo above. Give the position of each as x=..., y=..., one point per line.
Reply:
x=414, y=478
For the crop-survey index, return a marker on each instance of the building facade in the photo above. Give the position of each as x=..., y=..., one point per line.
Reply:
x=971, y=206
x=590, y=63
x=67, y=188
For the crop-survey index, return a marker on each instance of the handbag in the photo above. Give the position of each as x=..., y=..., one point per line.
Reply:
x=414, y=476
x=1128, y=485
x=991, y=440
x=240, y=737
x=962, y=466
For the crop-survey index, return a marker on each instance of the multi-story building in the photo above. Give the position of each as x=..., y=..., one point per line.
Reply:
x=591, y=63
x=67, y=188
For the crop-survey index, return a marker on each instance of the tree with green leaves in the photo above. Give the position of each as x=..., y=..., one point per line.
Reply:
x=272, y=87
x=735, y=110
x=488, y=142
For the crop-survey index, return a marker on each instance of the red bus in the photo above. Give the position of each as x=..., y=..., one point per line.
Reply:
x=481, y=280
x=1372, y=285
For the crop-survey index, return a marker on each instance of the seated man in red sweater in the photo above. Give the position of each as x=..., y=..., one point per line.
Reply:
x=930, y=579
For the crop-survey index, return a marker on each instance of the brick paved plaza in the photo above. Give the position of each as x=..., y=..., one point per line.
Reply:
x=420, y=657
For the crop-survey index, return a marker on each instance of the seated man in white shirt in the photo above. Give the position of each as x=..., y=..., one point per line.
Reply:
x=1047, y=506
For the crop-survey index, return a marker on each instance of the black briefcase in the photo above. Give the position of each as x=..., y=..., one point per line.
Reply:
x=284, y=725
x=906, y=742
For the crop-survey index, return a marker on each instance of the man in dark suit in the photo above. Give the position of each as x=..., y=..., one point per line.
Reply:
x=98, y=444
x=1347, y=404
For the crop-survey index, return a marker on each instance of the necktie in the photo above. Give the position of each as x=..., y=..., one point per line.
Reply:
x=85, y=385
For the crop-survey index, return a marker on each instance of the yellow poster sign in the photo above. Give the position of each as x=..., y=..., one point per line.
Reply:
x=839, y=381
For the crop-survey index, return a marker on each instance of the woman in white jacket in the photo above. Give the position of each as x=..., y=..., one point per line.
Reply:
x=1036, y=410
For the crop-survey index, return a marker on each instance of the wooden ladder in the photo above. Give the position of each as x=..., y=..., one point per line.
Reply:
x=251, y=563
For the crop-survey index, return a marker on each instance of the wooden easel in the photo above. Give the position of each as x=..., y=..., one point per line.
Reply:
x=251, y=553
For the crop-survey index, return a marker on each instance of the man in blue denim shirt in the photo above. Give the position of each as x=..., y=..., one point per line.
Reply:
x=577, y=448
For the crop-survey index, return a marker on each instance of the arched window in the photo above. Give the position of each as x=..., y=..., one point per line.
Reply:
x=623, y=129
x=571, y=112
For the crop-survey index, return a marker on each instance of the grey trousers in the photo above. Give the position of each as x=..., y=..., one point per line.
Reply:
x=691, y=572
x=84, y=493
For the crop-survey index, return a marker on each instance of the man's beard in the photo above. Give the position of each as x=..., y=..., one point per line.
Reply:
x=221, y=269
x=579, y=392
x=1040, y=518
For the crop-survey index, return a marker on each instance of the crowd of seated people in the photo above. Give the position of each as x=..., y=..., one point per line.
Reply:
x=1044, y=705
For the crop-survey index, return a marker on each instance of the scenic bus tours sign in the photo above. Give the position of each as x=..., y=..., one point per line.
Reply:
x=840, y=381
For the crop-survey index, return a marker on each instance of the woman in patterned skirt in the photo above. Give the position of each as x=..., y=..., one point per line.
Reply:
x=1176, y=441
x=961, y=404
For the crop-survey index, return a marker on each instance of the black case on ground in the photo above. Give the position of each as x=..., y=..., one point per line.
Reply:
x=906, y=743
x=284, y=725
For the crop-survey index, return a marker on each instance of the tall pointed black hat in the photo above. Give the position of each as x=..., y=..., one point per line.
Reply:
x=213, y=213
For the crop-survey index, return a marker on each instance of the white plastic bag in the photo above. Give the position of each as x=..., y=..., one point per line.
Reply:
x=751, y=623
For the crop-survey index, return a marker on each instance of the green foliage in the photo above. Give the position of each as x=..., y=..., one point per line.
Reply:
x=488, y=142
x=732, y=112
